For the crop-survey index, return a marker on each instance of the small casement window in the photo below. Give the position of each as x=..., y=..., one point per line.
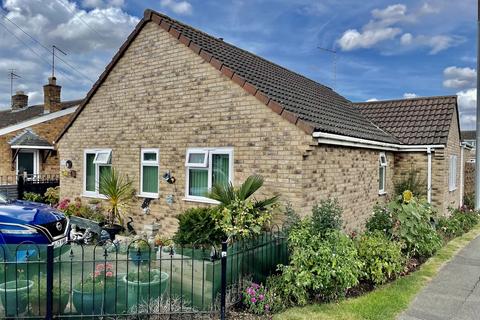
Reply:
x=452, y=173
x=149, y=173
x=98, y=163
x=204, y=169
x=382, y=173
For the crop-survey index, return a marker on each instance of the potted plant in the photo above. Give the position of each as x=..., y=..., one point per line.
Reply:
x=144, y=284
x=38, y=298
x=14, y=296
x=118, y=191
x=139, y=250
x=96, y=293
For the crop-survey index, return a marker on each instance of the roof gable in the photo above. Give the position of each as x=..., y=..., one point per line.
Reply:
x=299, y=100
x=28, y=138
x=419, y=121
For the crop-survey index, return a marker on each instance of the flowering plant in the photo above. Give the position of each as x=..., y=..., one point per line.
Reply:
x=257, y=299
x=70, y=208
x=103, y=276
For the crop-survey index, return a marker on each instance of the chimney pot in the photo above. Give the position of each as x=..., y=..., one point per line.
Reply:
x=19, y=101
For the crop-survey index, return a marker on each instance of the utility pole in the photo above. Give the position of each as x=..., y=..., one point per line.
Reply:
x=334, y=53
x=53, y=58
x=477, y=142
x=12, y=75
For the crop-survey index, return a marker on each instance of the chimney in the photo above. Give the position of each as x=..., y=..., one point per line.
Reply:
x=51, y=96
x=19, y=101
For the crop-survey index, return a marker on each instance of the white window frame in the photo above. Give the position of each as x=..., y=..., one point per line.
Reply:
x=197, y=165
x=149, y=163
x=96, y=193
x=383, y=164
x=209, y=156
x=36, y=161
x=452, y=173
x=108, y=159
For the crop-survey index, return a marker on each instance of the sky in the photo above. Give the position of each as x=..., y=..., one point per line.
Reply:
x=384, y=49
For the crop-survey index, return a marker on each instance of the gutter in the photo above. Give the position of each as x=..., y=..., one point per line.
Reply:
x=334, y=139
x=463, y=146
x=429, y=175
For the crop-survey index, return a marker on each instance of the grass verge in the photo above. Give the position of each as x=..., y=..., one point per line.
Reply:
x=388, y=301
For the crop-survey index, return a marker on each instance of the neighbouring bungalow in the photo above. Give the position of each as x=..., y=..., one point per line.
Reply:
x=177, y=102
x=27, y=134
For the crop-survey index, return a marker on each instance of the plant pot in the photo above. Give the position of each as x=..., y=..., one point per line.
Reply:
x=143, y=292
x=39, y=306
x=90, y=303
x=113, y=230
x=14, y=296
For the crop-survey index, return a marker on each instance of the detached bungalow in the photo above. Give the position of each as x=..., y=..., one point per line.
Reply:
x=27, y=133
x=177, y=102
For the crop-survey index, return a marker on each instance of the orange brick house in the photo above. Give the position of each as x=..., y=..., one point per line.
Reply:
x=177, y=101
x=27, y=134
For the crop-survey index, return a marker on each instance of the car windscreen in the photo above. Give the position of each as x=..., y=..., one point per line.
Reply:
x=3, y=198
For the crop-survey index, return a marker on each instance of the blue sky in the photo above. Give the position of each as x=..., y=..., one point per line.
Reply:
x=385, y=49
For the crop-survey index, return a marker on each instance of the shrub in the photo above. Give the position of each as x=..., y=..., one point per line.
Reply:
x=256, y=299
x=382, y=258
x=291, y=218
x=413, y=182
x=52, y=196
x=277, y=293
x=459, y=222
x=326, y=216
x=382, y=220
x=322, y=266
x=70, y=208
x=197, y=226
x=469, y=200
x=32, y=196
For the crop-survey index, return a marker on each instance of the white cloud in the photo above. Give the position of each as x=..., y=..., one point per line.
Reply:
x=409, y=95
x=406, y=39
x=459, y=78
x=436, y=43
x=467, y=102
x=179, y=7
x=352, y=39
x=372, y=100
x=102, y=3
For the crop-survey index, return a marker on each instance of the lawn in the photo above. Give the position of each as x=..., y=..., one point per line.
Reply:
x=387, y=301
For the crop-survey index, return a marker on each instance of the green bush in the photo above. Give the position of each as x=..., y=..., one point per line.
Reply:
x=52, y=196
x=413, y=182
x=459, y=222
x=469, y=200
x=32, y=196
x=326, y=216
x=321, y=266
x=198, y=226
x=381, y=258
x=410, y=224
x=278, y=293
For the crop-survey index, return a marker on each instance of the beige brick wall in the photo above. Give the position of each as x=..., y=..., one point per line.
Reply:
x=162, y=95
x=47, y=130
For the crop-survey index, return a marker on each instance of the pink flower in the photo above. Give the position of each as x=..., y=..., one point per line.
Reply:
x=261, y=297
x=109, y=274
x=97, y=273
x=253, y=300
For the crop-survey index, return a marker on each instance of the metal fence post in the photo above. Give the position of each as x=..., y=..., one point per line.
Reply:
x=223, y=281
x=49, y=307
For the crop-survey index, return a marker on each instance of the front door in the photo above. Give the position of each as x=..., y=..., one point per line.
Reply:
x=27, y=161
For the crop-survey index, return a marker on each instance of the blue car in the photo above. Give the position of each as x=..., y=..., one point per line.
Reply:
x=31, y=222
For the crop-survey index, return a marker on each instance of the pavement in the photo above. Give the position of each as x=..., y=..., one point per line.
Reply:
x=454, y=293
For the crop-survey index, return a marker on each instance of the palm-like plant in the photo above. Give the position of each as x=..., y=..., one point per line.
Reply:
x=226, y=194
x=119, y=191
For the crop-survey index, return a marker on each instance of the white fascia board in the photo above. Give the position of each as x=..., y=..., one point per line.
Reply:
x=334, y=139
x=33, y=147
x=37, y=120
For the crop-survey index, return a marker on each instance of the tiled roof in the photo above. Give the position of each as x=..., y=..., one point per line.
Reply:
x=468, y=135
x=29, y=138
x=8, y=117
x=418, y=121
x=304, y=102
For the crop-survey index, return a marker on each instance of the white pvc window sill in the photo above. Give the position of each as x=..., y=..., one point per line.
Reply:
x=382, y=193
x=94, y=196
x=148, y=195
x=201, y=200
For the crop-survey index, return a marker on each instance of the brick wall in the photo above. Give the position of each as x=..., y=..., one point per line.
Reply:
x=162, y=95
x=47, y=130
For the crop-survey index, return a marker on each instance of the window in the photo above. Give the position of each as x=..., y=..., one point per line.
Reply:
x=98, y=163
x=204, y=169
x=27, y=161
x=452, y=173
x=149, y=173
x=382, y=173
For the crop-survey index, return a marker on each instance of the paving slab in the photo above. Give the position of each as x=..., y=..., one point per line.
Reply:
x=454, y=294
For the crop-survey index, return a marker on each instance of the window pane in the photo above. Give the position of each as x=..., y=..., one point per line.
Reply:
x=90, y=173
x=149, y=156
x=198, y=182
x=381, y=178
x=102, y=158
x=220, y=166
x=196, y=158
x=25, y=162
x=103, y=170
x=150, y=179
